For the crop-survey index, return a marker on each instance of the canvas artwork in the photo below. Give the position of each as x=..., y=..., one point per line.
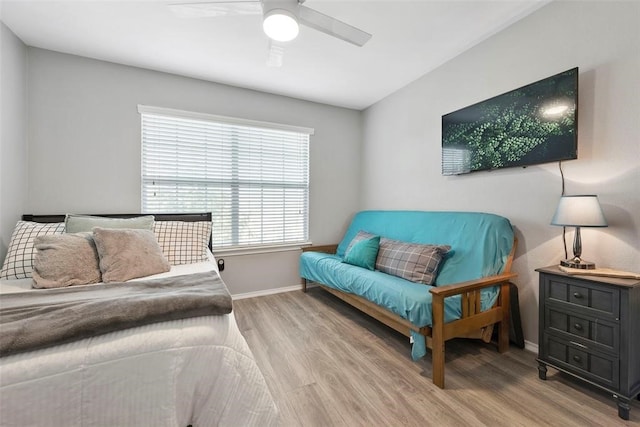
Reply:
x=534, y=124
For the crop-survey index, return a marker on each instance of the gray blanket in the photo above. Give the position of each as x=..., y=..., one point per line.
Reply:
x=42, y=318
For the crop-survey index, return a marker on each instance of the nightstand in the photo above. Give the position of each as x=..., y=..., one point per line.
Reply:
x=590, y=329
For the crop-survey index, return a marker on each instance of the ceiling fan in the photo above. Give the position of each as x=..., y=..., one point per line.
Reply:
x=281, y=18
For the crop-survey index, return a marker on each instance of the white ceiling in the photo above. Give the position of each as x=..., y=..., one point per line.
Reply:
x=410, y=38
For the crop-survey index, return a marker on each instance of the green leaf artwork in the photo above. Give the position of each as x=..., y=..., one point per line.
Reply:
x=526, y=126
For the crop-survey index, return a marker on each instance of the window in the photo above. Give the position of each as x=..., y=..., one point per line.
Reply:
x=252, y=176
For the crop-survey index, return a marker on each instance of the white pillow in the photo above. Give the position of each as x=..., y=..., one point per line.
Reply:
x=19, y=261
x=85, y=223
x=183, y=242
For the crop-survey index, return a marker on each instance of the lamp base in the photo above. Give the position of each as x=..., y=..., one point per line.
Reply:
x=578, y=263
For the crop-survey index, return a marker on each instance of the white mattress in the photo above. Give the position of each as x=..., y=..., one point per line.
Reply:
x=196, y=371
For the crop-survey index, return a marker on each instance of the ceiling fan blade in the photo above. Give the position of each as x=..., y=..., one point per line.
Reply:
x=216, y=8
x=332, y=26
x=276, y=54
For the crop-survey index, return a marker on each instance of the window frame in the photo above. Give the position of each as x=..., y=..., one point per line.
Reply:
x=234, y=247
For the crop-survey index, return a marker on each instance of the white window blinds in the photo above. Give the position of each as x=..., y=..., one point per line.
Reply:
x=252, y=176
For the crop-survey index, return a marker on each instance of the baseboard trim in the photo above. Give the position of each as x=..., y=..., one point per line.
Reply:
x=532, y=347
x=270, y=292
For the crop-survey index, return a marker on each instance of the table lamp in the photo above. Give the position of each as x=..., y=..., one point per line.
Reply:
x=579, y=211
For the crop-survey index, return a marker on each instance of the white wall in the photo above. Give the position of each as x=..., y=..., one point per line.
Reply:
x=84, y=144
x=84, y=147
x=13, y=130
x=402, y=138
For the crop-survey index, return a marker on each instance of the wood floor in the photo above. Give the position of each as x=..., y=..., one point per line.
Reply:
x=327, y=364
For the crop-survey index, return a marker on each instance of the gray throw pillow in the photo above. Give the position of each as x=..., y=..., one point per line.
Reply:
x=81, y=223
x=128, y=254
x=65, y=260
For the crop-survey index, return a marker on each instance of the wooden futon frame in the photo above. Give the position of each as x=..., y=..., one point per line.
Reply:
x=472, y=324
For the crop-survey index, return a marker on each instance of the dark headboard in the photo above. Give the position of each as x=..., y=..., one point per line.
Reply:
x=188, y=217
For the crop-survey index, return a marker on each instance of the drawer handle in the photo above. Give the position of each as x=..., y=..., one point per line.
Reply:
x=577, y=295
x=577, y=358
x=577, y=327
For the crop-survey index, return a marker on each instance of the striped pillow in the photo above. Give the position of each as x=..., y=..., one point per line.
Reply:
x=411, y=261
x=18, y=263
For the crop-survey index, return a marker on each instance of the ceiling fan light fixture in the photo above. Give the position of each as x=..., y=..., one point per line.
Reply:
x=280, y=25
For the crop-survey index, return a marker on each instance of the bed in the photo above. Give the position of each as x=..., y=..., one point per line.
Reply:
x=196, y=371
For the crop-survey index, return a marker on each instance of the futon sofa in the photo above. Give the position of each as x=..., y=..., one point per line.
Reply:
x=462, y=292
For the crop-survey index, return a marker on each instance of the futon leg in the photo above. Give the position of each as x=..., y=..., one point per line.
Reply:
x=437, y=356
x=503, y=326
x=503, y=336
x=304, y=284
x=437, y=339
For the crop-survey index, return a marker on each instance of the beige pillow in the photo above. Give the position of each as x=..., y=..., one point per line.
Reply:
x=65, y=260
x=128, y=254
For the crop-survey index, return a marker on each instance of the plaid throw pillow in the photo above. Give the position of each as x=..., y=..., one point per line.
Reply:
x=19, y=261
x=183, y=242
x=411, y=261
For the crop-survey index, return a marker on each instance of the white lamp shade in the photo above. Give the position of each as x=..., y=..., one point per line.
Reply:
x=280, y=25
x=579, y=211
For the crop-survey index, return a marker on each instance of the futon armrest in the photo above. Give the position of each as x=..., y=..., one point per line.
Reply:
x=327, y=249
x=471, y=285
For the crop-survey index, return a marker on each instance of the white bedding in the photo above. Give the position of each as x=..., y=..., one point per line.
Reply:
x=196, y=371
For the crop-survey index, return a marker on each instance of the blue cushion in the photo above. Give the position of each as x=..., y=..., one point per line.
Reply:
x=467, y=259
x=363, y=253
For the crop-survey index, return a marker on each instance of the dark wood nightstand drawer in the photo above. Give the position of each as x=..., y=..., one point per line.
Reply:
x=597, y=367
x=594, y=298
x=601, y=334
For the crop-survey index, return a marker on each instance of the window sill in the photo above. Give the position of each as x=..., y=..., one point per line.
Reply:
x=254, y=250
